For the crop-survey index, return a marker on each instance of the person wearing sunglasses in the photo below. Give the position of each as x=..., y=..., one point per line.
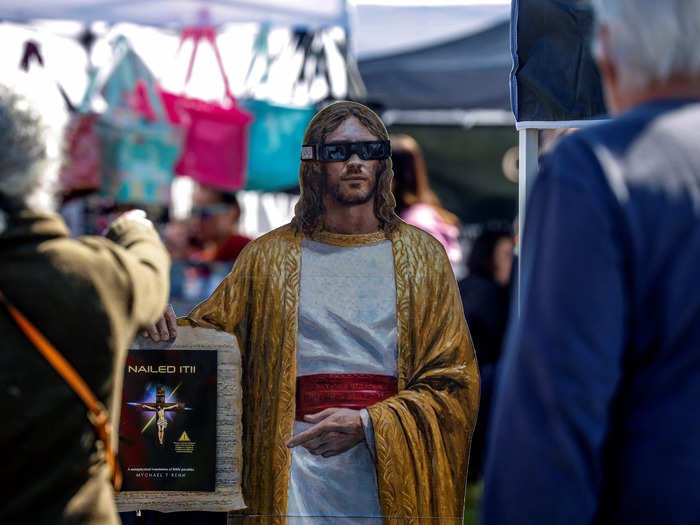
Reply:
x=359, y=380
x=204, y=248
x=215, y=215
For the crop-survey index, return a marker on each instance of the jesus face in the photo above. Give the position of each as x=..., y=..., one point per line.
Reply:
x=353, y=181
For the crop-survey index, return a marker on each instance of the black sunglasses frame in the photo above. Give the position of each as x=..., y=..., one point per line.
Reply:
x=323, y=152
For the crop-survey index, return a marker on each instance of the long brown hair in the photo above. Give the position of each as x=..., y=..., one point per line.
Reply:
x=309, y=210
x=411, y=176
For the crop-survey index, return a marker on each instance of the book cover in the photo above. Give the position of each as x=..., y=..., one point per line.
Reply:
x=167, y=434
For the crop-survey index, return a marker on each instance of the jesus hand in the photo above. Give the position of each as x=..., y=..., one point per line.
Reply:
x=335, y=431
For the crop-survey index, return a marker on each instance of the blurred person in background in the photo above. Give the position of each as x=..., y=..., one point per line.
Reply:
x=215, y=216
x=486, y=300
x=178, y=240
x=204, y=250
x=417, y=204
x=88, y=297
x=595, y=417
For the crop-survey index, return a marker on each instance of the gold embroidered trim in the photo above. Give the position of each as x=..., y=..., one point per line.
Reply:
x=285, y=423
x=357, y=239
x=434, y=350
x=401, y=271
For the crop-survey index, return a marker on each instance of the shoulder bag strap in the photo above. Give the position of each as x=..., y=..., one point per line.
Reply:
x=97, y=414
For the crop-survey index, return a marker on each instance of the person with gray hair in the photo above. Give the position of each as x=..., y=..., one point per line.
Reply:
x=29, y=160
x=88, y=297
x=595, y=412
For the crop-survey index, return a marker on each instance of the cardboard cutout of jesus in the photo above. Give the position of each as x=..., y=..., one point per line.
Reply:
x=360, y=385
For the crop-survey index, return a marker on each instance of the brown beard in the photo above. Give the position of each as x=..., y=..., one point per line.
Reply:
x=349, y=200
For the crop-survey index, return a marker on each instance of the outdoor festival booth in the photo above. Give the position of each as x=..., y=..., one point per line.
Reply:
x=446, y=82
x=151, y=91
x=153, y=82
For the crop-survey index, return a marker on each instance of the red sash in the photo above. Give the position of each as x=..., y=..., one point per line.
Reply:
x=317, y=392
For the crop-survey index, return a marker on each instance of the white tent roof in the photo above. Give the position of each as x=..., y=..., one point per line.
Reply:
x=378, y=27
x=389, y=27
x=177, y=13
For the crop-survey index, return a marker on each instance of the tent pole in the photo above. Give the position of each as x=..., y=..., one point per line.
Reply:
x=527, y=171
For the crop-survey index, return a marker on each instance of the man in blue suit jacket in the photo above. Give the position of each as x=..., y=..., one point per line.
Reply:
x=596, y=416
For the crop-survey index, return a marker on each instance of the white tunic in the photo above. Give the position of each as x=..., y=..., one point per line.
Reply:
x=347, y=324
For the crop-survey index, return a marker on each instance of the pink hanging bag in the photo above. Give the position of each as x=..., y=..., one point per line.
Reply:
x=215, y=150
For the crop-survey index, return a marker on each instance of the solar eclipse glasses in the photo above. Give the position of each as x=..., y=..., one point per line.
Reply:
x=342, y=151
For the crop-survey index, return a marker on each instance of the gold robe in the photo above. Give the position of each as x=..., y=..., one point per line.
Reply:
x=422, y=435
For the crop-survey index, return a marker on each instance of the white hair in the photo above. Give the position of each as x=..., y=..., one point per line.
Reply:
x=650, y=40
x=29, y=156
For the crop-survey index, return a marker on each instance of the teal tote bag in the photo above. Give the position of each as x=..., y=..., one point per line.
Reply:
x=275, y=144
x=138, y=152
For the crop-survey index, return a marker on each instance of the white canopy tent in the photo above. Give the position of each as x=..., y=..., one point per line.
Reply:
x=377, y=30
x=310, y=14
x=380, y=27
x=388, y=27
x=152, y=25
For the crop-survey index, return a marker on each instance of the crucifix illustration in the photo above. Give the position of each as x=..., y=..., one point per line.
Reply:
x=160, y=407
